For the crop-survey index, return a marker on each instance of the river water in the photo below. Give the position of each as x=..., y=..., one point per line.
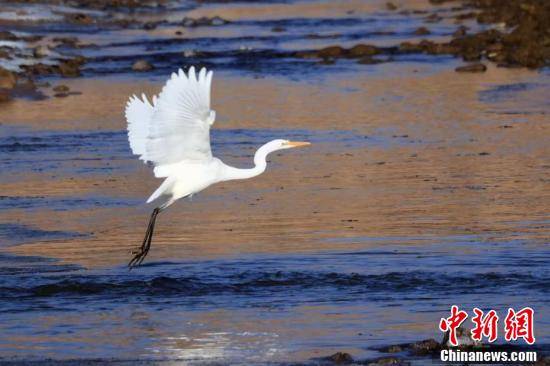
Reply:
x=423, y=189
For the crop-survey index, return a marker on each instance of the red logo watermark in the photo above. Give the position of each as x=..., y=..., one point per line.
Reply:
x=517, y=325
x=485, y=325
x=452, y=323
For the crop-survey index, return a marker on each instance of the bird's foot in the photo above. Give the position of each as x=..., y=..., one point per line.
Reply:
x=141, y=252
x=139, y=256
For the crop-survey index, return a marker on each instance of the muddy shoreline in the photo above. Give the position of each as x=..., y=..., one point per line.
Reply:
x=518, y=36
x=405, y=354
x=429, y=350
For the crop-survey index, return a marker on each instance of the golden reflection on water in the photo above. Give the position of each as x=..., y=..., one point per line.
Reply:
x=457, y=171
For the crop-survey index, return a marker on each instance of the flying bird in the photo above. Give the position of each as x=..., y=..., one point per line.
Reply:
x=173, y=133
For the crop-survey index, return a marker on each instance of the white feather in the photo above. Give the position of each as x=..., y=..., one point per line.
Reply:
x=138, y=114
x=176, y=127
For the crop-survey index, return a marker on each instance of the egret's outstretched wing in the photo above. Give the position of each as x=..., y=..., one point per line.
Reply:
x=176, y=127
x=180, y=124
x=138, y=115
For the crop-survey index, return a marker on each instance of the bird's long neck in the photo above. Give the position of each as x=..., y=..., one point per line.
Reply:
x=260, y=165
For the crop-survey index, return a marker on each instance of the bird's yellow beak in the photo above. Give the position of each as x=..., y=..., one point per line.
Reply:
x=297, y=143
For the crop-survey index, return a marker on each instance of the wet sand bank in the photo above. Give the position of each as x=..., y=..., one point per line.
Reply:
x=446, y=171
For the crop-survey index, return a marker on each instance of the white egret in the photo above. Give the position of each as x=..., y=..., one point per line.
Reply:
x=173, y=133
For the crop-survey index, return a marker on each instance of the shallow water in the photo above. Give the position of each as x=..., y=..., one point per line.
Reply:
x=264, y=308
x=422, y=189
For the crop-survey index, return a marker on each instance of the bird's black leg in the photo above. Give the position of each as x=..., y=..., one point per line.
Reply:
x=146, y=245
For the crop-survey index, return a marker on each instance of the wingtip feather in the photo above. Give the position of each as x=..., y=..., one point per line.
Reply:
x=209, y=78
x=191, y=73
x=202, y=75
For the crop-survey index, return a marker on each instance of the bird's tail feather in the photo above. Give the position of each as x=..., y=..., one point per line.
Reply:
x=165, y=186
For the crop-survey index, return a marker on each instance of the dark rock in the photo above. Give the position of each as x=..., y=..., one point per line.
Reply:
x=5, y=95
x=340, y=358
x=8, y=79
x=363, y=50
x=4, y=53
x=423, y=46
x=422, y=31
x=460, y=32
x=7, y=36
x=319, y=36
x=388, y=361
x=394, y=349
x=329, y=54
x=67, y=41
x=487, y=17
x=150, y=25
x=39, y=69
x=278, y=29
x=189, y=22
x=524, y=55
x=331, y=51
x=542, y=361
x=433, y=18
x=71, y=68
x=79, y=18
x=327, y=61
x=409, y=47
x=31, y=38
x=142, y=65
x=391, y=6
x=526, y=45
x=471, y=56
x=305, y=54
x=218, y=21
x=494, y=47
x=203, y=21
x=478, y=67
x=61, y=88
x=528, y=42
x=478, y=41
x=438, y=48
x=124, y=23
x=78, y=60
x=369, y=60
x=463, y=335
x=464, y=16
x=425, y=347
x=41, y=51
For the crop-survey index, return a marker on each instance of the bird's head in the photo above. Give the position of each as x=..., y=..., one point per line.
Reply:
x=271, y=146
x=281, y=144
